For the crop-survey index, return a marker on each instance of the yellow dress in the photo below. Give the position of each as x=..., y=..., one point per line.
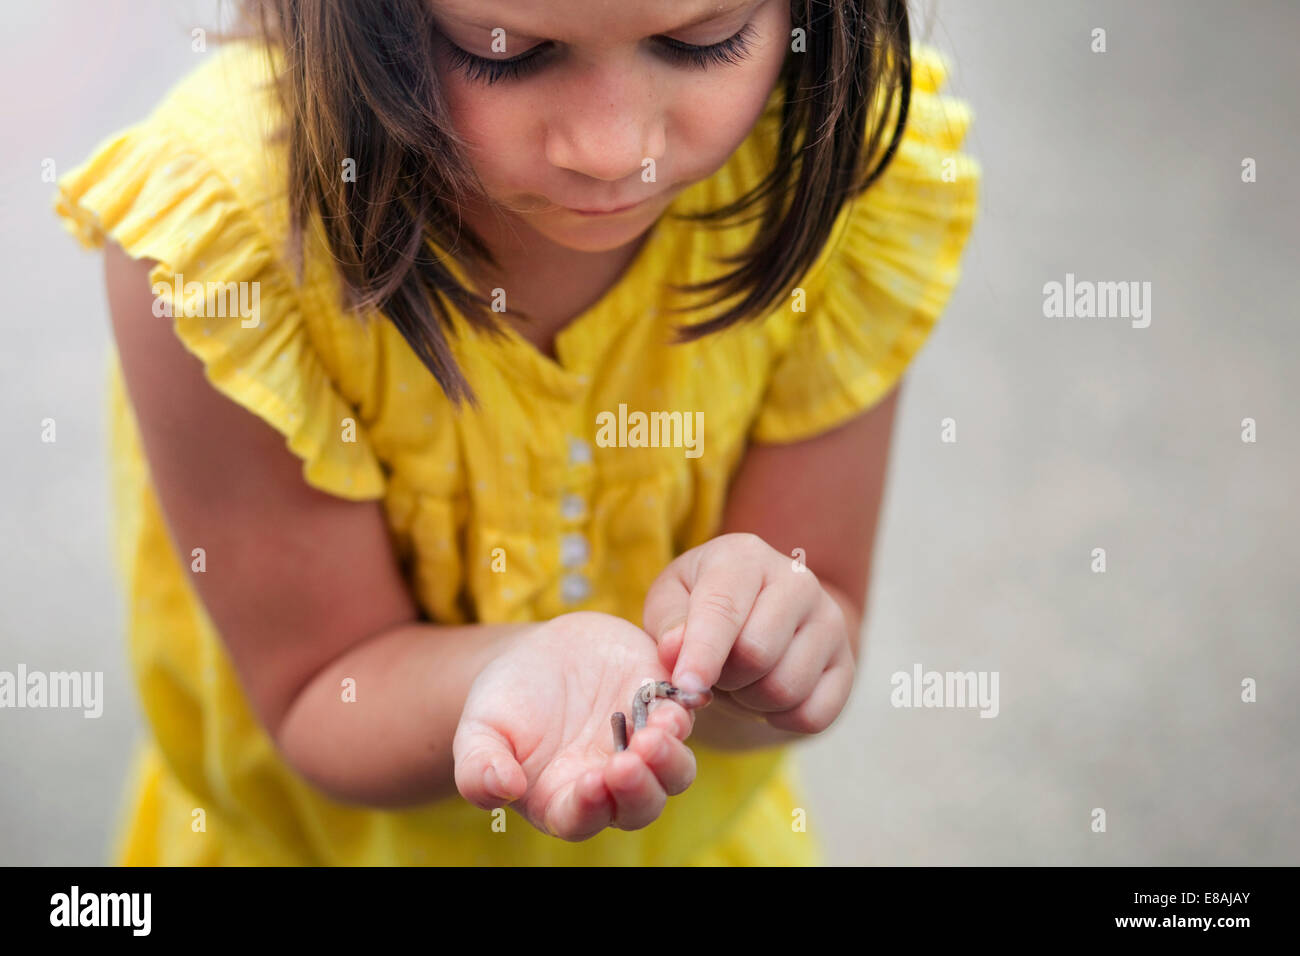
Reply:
x=195, y=187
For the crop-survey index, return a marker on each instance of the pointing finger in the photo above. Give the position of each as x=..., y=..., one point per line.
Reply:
x=720, y=601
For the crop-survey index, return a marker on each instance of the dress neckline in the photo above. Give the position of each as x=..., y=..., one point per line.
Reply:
x=579, y=344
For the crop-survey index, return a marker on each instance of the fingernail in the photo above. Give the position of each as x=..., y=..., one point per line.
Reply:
x=493, y=783
x=692, y=683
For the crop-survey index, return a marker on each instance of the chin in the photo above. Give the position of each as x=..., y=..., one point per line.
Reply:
x=590, y=235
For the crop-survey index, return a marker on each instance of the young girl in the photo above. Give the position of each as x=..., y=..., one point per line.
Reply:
x=417, y=477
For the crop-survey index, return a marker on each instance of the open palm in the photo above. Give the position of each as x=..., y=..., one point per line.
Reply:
x=535, y=730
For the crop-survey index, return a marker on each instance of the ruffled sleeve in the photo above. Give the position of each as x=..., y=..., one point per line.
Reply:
x=159, y=197
x=892, y=263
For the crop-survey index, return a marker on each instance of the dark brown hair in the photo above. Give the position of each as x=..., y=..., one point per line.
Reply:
x=357, y=80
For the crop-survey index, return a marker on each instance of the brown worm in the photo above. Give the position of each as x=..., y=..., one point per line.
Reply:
x=641, y=707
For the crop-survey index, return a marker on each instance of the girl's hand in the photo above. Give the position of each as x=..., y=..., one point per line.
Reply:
x=736, y=616
x=535, y=730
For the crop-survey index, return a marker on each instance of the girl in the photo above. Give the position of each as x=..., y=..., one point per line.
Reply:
x=389, y=563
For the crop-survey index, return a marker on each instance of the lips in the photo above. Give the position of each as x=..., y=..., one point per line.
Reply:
x=605, y=212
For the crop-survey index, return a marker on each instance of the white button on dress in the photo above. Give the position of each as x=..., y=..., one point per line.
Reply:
x=579, y=452
x=573, y=507
x=573, y=550
x=574, y=588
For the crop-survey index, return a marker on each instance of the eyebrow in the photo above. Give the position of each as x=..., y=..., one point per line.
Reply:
x=703, y=18
x=718, y=15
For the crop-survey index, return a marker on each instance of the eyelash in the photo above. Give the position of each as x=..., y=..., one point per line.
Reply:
x=732, y=50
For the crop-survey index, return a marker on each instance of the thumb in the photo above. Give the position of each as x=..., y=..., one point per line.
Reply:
x=487, y=774
x=667, y=604
x=669, y=638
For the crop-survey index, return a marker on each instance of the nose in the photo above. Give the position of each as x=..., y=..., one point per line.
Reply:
x=605, y=123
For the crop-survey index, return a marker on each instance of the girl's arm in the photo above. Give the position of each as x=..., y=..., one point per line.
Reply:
x=392, y=747
x=302, y=586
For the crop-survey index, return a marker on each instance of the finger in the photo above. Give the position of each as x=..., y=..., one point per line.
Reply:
x=581, y=810
x=728, y=704
x=670, y=644
x=486, y=772
x=666, y=605
x=720, y=604
x=824, y=704
x=670, y=760
x=638, y=796
x=795, y=675
x=720, y=596
x=671, y=717
x=768, y=633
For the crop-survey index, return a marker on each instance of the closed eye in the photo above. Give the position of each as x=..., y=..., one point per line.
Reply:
x=734, y=49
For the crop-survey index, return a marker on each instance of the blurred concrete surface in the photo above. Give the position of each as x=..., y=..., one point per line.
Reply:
x=1119, y=691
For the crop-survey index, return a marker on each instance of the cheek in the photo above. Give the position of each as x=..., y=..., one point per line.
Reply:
x=489, y=124
x=713, y=125
x=716, y=113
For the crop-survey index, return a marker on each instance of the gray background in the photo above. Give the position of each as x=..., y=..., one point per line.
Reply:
x=1119, y=691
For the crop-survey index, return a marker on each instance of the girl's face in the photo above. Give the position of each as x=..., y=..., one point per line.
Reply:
x=601, y=96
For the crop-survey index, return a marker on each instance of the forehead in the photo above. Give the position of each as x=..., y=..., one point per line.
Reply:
x=584, y=20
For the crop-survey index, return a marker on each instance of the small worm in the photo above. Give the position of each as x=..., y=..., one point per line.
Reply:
x=647, y=692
